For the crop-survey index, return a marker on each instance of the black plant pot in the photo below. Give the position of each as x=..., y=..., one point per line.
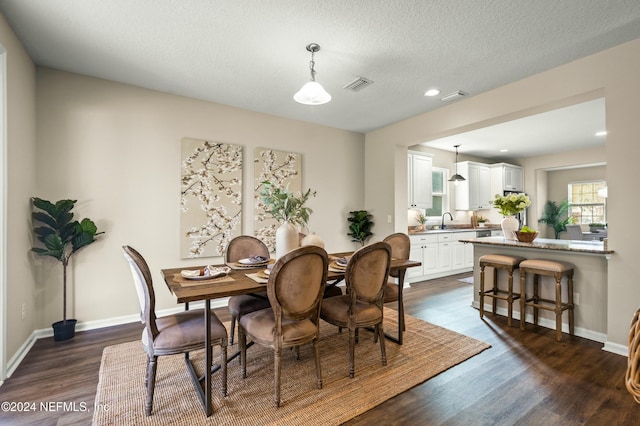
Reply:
x=64, y=330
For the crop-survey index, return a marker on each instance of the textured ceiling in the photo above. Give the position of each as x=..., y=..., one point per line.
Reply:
x=251, y=53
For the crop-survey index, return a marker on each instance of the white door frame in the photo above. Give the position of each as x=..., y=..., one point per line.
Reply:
x=3, y=213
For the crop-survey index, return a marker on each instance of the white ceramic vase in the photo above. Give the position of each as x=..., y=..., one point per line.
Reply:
x=509, y=225
x=286, y=239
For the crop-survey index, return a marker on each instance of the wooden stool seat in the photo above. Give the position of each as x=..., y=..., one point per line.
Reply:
x=504, y=262
x=553, y=268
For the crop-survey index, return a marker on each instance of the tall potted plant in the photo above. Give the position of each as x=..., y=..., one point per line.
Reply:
x=62, y=237
x=360, y=226
x=289, y=210
x=556, y=215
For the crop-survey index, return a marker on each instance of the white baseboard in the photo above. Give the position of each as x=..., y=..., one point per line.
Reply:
x=578, y=331
x=24, y=349
x=616, y=348
x=17, y=358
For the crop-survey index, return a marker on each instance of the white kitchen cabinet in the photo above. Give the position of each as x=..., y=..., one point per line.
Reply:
x=506, y=177
x=474, y=193
x=424, y=249
x=419, y=192
x=445, y=256
x=441, y=254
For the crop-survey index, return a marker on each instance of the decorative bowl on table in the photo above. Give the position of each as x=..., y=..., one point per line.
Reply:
x=526, y=237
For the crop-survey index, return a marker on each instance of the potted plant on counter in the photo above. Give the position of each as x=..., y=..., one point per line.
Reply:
x=422, y=220
x=61, y=237
x=510, y=205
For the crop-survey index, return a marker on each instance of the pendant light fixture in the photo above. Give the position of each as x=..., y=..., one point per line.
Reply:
x=456, y=177
x=312, y=93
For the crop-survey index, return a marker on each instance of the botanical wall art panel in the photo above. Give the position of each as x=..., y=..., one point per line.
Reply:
x=281, y=169
x=211, y=197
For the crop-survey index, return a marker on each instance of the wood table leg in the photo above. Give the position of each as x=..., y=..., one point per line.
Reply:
x=208, y=355
x=398, y=340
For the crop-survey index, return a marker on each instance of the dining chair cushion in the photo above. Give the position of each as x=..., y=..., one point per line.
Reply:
x=390, y=291
x=245, y=303
x=261, y=325
x=338, y=309
x=183, y=331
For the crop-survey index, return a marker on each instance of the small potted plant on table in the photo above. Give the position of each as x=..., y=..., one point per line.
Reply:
x=289, y=210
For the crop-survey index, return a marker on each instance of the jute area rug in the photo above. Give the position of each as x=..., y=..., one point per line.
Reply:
x=427, y=351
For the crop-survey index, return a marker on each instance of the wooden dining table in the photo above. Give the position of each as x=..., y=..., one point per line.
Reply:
x=237, y=282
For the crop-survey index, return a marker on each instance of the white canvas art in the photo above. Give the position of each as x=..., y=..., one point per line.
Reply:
x=211, y=197
x=281, y=169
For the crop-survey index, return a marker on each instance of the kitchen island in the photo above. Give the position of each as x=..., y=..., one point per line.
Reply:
x=590, y=279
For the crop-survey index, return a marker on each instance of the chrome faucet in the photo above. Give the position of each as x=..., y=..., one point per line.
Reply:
x=442, y=223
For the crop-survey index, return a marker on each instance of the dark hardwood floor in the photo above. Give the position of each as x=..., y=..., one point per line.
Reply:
x=525, y=378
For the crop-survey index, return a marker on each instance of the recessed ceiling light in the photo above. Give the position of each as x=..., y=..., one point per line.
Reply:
x=504, y=150
x=601, y=133
x=432, y=92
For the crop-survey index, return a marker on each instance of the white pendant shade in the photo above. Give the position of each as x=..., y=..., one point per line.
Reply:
x=312, y=93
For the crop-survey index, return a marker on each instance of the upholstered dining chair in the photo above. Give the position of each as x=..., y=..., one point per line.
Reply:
x=362, y=305
x=295, y=289
x=242, y=247
x=400, y=248
x=179, y=333
x=575, y=232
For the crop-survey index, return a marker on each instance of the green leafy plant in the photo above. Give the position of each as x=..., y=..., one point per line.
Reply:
x=61, y=235
x=360, y=226
x=482, y=219
x=283, y=205
x=556, y=216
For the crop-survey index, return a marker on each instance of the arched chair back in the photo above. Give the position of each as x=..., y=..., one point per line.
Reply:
x=295, y=289
x=178, y=333
x=244, y=246
x=366, y=274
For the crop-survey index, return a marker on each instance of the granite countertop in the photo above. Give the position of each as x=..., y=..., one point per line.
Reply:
x=593, y=247
x=454, y=228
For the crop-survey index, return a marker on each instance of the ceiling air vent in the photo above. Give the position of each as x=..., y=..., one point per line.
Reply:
x=358, y=84
x=453, y=96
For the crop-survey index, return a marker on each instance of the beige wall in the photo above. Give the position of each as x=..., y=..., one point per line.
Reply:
x=613, y=74
x=20, y=185
x=116, y=149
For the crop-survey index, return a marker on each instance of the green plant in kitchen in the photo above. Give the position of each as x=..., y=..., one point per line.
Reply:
x=482, y=219
x=360, y=226
x=61, y=237
x=556, y=216
x=422, y=220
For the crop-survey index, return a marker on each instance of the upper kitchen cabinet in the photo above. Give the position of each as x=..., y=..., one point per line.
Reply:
x=506, y=177
x=473, y=193
x=419, y=192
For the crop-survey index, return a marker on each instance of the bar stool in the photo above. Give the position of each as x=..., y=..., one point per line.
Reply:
x=553, y=268
x=497, y=262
